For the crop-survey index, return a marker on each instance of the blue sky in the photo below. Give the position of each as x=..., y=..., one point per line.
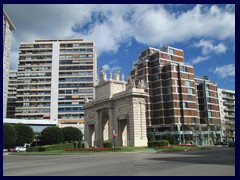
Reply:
x=206, y=33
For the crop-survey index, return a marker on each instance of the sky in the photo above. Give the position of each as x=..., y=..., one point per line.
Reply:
x=206, y=33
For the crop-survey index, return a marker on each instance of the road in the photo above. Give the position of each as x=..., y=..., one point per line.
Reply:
x=213, y=162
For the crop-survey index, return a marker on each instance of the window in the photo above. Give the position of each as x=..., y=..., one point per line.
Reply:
x=185, y=105
x=190, y=91
x=169, y=90
x=187, y=83
x=209, y=114
x=193, y=120
x=183, y=68
x=171, y=51
x=207, y=93
x=189, y=98
x=208, y=100
x=174, y=68
x=209, y=106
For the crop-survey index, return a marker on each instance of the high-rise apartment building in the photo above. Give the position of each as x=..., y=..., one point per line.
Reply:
x=54, y=78
x=227, y=113
x=12, y=91
x=172, y=105
x=172, y=102
x=208, y=110
x=8, y=27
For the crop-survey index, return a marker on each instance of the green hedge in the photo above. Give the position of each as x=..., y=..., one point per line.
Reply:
x=107, y=144
x=158, y=143
x=51, y=147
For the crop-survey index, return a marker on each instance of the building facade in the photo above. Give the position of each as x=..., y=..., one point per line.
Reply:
x=172, y=103
x=227, y=113
x=208, y=110
x=54, y=78
x=8, y=27
x=119, y=108
x=12, y=91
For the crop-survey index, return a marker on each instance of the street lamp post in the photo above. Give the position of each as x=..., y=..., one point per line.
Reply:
x=114, y=137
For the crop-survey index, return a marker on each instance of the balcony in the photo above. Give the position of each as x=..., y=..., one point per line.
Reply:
x=229, y=97
x=229, y=116
x=229, y=109
x=228, y=103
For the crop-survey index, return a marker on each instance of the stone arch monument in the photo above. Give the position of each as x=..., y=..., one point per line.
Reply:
x=118, y=107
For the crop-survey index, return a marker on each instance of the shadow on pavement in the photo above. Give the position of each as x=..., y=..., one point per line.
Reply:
x=224, y=156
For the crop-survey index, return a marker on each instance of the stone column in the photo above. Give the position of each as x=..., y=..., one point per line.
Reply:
x=111, y=125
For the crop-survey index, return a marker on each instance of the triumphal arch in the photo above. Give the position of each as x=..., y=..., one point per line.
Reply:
x=119, y=107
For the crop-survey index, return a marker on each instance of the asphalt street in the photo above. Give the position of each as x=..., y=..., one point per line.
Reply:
x=214, y=162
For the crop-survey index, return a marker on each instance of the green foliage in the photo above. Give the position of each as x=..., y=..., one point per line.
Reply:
x=158, y=143
x=51, y=147
x=72, y=134
x=9, y=135
x=107, y=144
x=79, y=144
x=151, y=136
x=171, y=138
x=52, y=135
x=24, y=133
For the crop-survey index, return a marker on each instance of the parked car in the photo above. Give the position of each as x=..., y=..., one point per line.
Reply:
x=20, y=149
x=5, y=150
x=11, y=149
x=231, y=144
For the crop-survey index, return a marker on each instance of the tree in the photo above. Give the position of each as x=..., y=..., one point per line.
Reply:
x=9, y=135
x=52, y=135
x=25, y=134
x=72, y=134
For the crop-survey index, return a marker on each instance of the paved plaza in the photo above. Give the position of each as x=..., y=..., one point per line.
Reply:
x=214, y=162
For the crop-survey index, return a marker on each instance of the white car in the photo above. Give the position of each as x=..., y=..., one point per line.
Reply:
x=20, y=149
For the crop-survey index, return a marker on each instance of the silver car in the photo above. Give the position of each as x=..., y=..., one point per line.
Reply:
x=20, y=149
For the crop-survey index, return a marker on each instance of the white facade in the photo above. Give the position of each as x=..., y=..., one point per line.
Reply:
x=54, y=78
x=227, y=112
x=119, y=108
x=8, y=27
x=12, y=91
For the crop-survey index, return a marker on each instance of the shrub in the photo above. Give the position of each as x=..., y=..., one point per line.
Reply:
x=51, y=147
x=158, y=143
x=52, y=135
x=72, y=134
x=107, y=144
x=171, y=138
x=9, y=135
x=79, y=144
x=24, y=133
x=151, y=136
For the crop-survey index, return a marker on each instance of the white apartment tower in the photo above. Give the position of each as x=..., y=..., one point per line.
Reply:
x=227, y=113
x=12, y=91
x=54, y=78
x=8, y=27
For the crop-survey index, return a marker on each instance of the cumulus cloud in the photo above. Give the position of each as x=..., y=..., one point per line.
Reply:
x=208, y=47
x=200, y=59
x=110, y=26
x=107, y=68
x=111, y=66
x=225, y=70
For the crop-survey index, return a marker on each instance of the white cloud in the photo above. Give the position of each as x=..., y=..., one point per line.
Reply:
x=107, y=68
x=208, y=47
x=110, y=26
x=225, y=70
x=200, y=59
x=113, y=67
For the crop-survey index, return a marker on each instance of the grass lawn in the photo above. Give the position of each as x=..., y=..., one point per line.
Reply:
x=123, y=149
